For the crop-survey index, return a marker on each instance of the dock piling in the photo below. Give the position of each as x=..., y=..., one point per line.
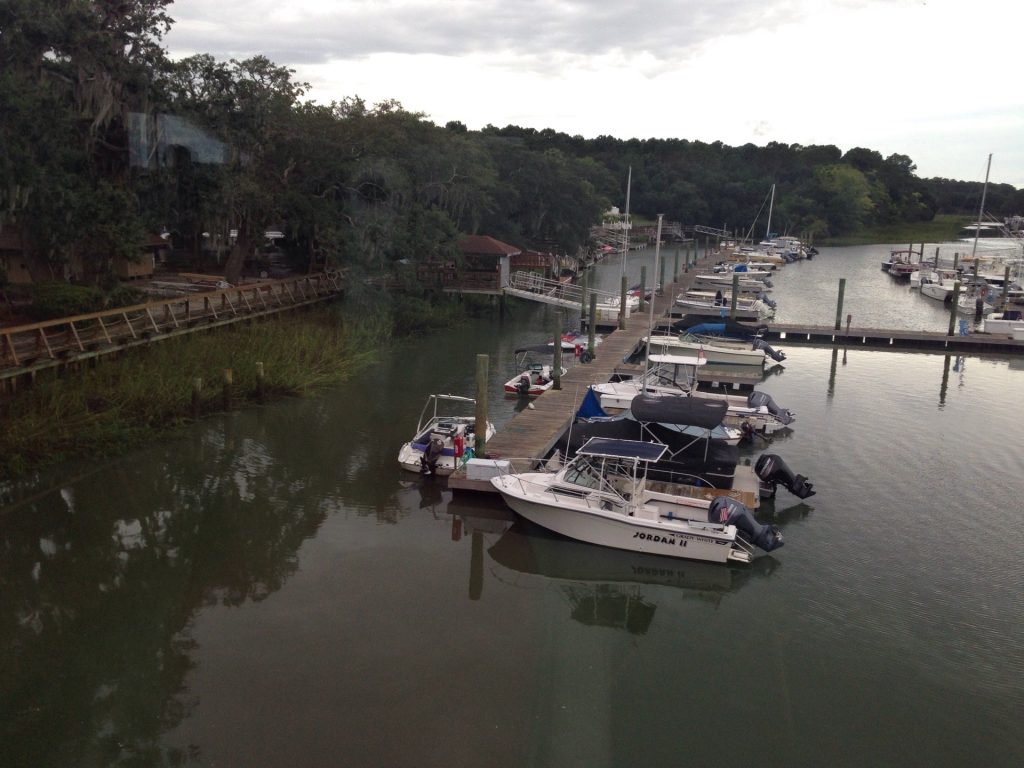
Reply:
x=482, y=363
x=955, y=302
x=839, y=305
x=556, y=368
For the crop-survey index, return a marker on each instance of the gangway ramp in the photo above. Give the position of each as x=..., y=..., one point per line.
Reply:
x=531, y=286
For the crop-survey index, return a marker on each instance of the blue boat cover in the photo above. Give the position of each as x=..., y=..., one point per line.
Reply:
x=591, y=406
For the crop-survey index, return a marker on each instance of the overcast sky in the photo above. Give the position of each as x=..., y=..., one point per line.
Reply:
x=941, y=81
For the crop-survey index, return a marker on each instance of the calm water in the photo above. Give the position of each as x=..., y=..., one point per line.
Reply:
x=270, y=589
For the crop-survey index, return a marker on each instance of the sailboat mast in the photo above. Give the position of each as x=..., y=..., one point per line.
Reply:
x=981, y=210
x=768, y=232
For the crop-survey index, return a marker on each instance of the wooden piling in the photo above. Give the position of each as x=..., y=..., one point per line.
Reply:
x=643, y=288
x=953, y=307
x=622, y=305
x=556, y=368
x=675, y=268
x=482, y=363
x=592, y=326
x=839, y=304
x=735, y=294
x=229, y=379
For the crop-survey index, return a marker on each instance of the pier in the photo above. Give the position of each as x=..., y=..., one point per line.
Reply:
x=533, y=432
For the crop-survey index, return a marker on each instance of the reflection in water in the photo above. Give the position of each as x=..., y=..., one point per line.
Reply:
x=604, y=587
x=100, y=582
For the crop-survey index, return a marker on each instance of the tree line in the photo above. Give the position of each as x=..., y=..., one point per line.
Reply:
x=104, y=138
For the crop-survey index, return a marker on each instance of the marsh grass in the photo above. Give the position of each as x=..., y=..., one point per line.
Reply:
x=121, y=403
x=943, y=228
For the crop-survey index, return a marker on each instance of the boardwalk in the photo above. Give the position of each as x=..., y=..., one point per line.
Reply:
x=27, y=349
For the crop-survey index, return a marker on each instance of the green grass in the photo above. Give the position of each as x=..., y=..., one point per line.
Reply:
x=122, y=403
x=941, y=229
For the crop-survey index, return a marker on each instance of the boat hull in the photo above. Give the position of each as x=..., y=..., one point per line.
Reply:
x=615, y=530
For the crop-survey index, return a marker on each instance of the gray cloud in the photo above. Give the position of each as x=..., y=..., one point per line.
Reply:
x=541, y=30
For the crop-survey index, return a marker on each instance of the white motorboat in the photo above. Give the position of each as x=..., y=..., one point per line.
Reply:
x=757, y=412
x=441, y=443
x=715, y=352
x=937, y=284
x=746, y=309
x=534, y=381
x=1005, y=323
x=602, y=497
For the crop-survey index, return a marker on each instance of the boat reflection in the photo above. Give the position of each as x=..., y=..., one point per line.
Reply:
x=605, y=587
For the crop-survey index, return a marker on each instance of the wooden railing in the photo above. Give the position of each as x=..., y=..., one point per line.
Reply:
x=36, y=346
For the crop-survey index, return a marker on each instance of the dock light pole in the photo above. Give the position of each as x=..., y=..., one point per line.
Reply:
x=839, y=306
x=482, y=363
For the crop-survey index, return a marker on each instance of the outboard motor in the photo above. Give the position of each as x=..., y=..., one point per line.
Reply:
x=767, y=301
x=775, y=354
x=758, y=399
x=523, y=385
x=774, y=471
x=428, y=461
x=730, y=512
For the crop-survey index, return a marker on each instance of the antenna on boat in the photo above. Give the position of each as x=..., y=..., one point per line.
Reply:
x=654, y=291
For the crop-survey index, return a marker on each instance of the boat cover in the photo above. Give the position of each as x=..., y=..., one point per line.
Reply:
x=591, y=406
x=731, y=327
x=679, y=409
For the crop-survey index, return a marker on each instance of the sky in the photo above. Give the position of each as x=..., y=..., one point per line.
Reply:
x=940, y=81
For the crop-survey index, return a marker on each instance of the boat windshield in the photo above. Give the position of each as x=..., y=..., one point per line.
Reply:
x=583, y=473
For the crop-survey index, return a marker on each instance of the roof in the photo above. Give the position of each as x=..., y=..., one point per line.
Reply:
x=484, y=244
x=622, y=449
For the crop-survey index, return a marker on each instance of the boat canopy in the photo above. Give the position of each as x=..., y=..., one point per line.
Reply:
x=732, y=327
x=679, y=409
x=611, y=448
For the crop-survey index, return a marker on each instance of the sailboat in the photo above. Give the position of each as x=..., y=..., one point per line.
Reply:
x=973, y=300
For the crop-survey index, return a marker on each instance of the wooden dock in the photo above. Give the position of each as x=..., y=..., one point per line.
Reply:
x=533, y=432
x=893, y=339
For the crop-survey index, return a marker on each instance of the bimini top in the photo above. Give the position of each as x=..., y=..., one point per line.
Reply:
x=679, y=409
x=610, y=448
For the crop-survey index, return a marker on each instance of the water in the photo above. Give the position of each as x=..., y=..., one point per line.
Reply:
x=270, y=589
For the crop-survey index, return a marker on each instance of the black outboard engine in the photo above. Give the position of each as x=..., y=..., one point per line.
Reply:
x=523, y=385
x=775, y=354
x=730, y=512
x=774, y=471
x=428, y=461
x=758, y=399
x=768, y=301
